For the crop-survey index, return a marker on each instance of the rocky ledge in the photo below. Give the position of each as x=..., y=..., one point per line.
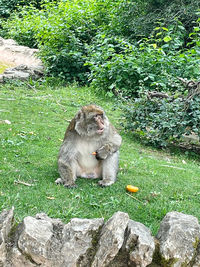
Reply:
x=119, y=242
x=23, y=59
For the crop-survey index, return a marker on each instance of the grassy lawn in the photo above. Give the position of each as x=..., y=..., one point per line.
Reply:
x=39, y=115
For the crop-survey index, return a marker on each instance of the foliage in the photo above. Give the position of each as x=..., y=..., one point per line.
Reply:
x=137, y=19
x=7, y=7
x=151, y=64
x=162, y=121
x=61, y=31
x=22, y=30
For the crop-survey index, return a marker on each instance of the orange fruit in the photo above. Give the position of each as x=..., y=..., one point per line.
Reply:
x=132, y=188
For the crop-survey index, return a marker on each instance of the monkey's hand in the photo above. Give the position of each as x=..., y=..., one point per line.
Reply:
x=103, y=152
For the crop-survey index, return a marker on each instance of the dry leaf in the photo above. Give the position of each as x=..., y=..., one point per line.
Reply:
x=50, y=197
x=5, y=121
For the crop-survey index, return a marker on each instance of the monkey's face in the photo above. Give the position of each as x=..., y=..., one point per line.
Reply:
x=91, y=121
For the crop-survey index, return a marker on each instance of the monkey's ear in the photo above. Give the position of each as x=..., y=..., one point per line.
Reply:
x=78, y=115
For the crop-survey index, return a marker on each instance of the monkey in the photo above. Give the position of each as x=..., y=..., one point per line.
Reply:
x=90, y=148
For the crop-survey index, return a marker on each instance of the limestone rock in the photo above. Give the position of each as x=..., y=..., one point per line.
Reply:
x=22, y=72
x=6, y=220
x=139, y=244
x=178, y=235
x=111, y=239
x=120, y=242
x=25, y=64
x=11, y=52
x=48, y=242
x=7, y=42
x=79, y=239
x=41, y=240
x=17, y=259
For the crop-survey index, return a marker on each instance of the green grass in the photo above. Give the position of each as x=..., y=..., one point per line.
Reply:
x=39, y=115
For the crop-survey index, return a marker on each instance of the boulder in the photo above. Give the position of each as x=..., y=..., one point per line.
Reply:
x=139, y=244
x=22, y=72
x=49, y=242
x=79, y=241
x=179, y=236
x=36, y=241
x=6, y=221
x=111, y=239
x=24, y=61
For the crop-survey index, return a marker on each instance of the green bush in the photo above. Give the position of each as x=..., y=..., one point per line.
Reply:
x=7, y=7
x=162, y=121
x=137, y=19
x=22, y=30
x=61, y=31
x=151, y=64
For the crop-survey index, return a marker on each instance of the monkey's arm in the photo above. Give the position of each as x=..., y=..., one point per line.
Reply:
x=67, y=164
x=110, y=146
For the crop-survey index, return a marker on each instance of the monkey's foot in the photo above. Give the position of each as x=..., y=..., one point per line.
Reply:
x=104, y=183
x=70, y=185
x=59, y=181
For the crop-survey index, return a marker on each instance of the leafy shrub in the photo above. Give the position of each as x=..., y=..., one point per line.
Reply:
x=151, y=64
x=23, y=30
x=137, y=19
x=7, y=7
x=161, y=121
x=61, y=31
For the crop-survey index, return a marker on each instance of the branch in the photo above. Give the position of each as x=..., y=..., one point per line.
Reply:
x=157, y=94
x=21, y=182
x=189, y=84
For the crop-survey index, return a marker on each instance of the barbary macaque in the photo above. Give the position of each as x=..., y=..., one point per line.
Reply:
x=90, y=148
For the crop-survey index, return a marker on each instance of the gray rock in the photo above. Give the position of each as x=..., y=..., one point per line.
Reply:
x=120, y=242
x=48, y=242
x=7, y=42
x=6, y=221
x=40, y=239
x=111, y=239
x=79, y=239
x=23, y=60
x=139, y=244
x=22, y=72
x=17, y=259
x=178, y=235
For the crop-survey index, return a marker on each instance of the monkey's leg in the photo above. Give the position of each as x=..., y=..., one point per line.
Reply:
x=67, y=172
x=109, y=169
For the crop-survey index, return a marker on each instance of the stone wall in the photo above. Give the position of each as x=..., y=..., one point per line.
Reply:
x=118, y=242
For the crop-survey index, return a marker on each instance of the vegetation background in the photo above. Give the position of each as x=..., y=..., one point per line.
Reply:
x=131, y=58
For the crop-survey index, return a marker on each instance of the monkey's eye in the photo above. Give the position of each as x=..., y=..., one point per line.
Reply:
x=98, y=115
